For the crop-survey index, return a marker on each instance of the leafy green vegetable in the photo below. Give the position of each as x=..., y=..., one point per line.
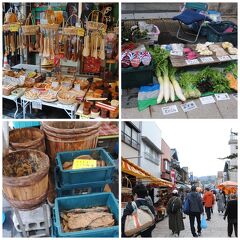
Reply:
x=232, y=68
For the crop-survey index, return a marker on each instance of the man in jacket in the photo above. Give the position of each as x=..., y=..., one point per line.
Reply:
x=208, y=200
x=231, y=214
x=195, y=210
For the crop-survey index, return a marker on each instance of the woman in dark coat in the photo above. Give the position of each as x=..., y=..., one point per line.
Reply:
x=140, y=197
x=174, y=210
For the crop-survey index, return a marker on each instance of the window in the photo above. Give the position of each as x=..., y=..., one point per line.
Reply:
x=166, y=165
x=130, y=136
x=151, y=155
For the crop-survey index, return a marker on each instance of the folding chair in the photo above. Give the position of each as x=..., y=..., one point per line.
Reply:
x=192, y=14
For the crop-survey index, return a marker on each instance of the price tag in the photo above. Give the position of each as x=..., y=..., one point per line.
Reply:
x=235, y=95
x=84, y=163
x=192, y=62
x=234, y=57
x=207, y=100
x=55, y=84
x=222, y=96
x=207, y=59
x=189, y=106
x=82, y=116
x=37, y=105
x=169, y=110
x=80, y=32
x=14, y=27
x=224, y=58
x=22, y=79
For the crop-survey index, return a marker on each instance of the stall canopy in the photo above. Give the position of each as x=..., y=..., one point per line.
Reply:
x=228, y=187
x=134, y=170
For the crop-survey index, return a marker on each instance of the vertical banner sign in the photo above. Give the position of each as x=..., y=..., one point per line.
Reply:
x=173, y=177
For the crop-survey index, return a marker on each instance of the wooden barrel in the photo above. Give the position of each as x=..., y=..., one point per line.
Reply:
x=27, y=138
x=25, y=178
x=69, y=136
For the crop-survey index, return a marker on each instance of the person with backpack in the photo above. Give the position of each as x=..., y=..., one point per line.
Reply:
x=140, y=196
x=231, y=213
x=175, y=217
x=194, y=208
x=209, y=201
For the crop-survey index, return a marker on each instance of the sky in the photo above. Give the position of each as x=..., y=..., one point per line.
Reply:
x=199, y=143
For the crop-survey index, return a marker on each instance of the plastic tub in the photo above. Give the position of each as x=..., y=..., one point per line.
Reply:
x=137, y=77
x=23, y=124
x=87, y=175
x=86, y=201
x=216, y=32
x=78, y=189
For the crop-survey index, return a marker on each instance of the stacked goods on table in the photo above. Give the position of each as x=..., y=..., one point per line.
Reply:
x=200, y=54
x=175, y=84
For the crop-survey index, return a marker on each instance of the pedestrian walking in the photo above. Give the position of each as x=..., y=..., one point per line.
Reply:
x=231, y=214
x=195, y=211
x=208, y=200
x=140, y=194
x=175, y=217
x=220, y=201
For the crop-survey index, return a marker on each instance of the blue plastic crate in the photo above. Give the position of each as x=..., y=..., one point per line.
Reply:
x=87, y=175
x=78, y=189
x=86, y=201
x=25, y=124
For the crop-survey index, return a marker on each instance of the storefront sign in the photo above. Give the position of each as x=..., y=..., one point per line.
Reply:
x=169, y=110
x=207, y=59
x=222, y=96
x=224, y=58
x=37, y=105
x=189, y=106
x=84, y=163
x=207, y=100
x=192, y=62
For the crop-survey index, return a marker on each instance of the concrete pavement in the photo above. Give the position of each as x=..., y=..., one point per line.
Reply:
x=220, y=109
x=217, y=228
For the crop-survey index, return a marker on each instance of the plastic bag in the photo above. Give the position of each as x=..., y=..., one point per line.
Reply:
x=203, y=222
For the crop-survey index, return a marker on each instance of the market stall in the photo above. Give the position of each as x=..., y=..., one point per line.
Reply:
x=60, y=58
x=57, y=182
x=131, y=174
x=154, y=73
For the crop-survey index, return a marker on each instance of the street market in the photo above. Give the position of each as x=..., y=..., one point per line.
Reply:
x=60, y=60
x=155, y=176
x=179, y=64
x=60, y=179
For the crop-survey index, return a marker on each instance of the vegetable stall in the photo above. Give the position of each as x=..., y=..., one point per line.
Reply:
x=60, y=59
x=178, y=70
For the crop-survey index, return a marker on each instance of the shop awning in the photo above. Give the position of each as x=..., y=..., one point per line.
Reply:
x=134, y=170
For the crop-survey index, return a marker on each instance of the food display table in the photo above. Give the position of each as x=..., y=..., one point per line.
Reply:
x=16, y=100
x=181, y=61
x=69, y=109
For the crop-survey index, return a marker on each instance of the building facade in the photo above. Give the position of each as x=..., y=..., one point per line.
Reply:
x=166, y=161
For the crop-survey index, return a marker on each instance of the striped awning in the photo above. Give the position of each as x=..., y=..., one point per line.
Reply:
x=134, y=170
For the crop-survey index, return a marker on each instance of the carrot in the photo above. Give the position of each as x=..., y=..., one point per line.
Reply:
x=232, y=81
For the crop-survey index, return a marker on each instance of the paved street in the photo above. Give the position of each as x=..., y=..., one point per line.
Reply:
x=217, y=228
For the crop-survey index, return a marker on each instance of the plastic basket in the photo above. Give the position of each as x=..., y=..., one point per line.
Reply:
x=86, y=201
x=23, y=124
x=137, y=77
x=216, y=32
x=78, y=189
x=154, y=35
x=87, y=175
